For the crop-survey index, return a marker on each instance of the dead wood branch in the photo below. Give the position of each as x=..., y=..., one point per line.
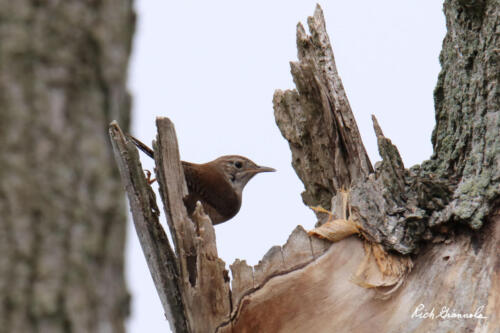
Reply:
x=154, y=242
x=192, y=282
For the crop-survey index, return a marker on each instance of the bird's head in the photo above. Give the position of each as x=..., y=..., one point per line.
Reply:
x=238, y=170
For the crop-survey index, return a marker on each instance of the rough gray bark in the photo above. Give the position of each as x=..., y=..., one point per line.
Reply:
x=397, y=207
x=63, y=69
x=327, y=151
x=467, y=99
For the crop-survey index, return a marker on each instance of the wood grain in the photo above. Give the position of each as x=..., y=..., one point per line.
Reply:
x=159, y=255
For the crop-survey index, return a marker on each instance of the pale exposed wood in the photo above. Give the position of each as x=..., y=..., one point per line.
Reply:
x=297, y=251
x=321, y=297
x=242, y=281
x=319, y=246
x=380, y=269
x=271, y=264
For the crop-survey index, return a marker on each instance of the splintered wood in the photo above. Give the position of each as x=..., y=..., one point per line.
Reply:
x=336, y=228
x=378, y=268
x=192, y=281
x=382, y=269
x=299, y=250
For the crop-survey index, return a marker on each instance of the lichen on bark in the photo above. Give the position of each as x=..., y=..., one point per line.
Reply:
x=466, y=138
x=400, y=207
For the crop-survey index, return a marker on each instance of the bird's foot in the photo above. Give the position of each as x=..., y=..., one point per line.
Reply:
x=148, y=177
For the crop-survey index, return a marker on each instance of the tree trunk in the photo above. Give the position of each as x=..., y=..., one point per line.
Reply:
x=429, y=237
x=63, y=70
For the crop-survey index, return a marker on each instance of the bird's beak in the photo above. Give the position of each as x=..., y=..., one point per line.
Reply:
x=260, y=169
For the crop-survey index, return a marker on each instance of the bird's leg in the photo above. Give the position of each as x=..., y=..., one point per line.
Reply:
x=148, y=177
x=145, y=149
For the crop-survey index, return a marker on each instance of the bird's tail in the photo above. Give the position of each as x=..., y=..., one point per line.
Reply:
x=143, y=147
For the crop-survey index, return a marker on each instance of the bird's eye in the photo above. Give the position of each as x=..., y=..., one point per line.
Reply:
x=238, y=164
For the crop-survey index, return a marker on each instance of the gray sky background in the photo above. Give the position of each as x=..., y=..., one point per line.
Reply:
x=212, y=67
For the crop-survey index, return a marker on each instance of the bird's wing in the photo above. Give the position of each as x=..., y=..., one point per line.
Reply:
x=200, y=181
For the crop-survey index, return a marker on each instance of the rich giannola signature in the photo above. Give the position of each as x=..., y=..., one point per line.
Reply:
x=446, y=313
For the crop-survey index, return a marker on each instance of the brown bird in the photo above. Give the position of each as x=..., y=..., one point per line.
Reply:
x=218, y=184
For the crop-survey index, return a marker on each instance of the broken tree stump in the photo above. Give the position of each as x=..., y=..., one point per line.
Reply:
x=429, y=236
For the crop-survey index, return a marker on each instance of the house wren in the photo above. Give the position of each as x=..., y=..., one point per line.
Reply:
x=218, y=184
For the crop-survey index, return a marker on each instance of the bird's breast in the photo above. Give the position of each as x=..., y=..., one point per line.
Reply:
x=209, y=186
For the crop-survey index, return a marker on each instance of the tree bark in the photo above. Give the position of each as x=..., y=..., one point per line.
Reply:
x=465, y=139
x=63, y=70
x=397, y=207
x=429, y=237
x=422, y=209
